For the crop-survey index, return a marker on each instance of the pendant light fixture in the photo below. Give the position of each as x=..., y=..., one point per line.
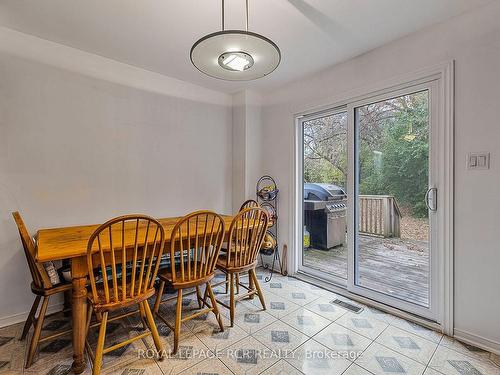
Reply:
x=235, y=55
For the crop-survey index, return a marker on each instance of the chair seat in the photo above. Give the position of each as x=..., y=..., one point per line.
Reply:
x=114, y=305
x=223, y=265
x=44, y=292
x=166, y=275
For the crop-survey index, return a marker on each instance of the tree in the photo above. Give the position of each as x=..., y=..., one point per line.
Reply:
x=392, y=143
x=396, y=162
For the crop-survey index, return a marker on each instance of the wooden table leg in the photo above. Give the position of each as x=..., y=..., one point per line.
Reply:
x=79, y=311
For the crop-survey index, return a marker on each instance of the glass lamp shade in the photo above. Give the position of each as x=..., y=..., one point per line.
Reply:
x=208, y=53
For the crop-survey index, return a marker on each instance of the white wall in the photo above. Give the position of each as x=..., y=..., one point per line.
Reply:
x=473, y=40
x=247, y=126
x=239, y=149
x=77, y=150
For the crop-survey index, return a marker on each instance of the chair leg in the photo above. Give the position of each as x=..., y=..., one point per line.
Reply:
x=159, y=295
x=205, y=295
x=198, y=296
x=96, y=369
x=38, y=330
x=90, y=310
x=31, y=317
x=215, y=308
x=227, y=283
x=98, y=316
x=143, y=316
x=231, y=298
x=178, y=318
x=257, y=286
x=89, y=318
x=251, y=285
x=153, y=329
x=237, y=283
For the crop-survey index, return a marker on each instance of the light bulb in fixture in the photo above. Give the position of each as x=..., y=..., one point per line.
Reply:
x=236, y=61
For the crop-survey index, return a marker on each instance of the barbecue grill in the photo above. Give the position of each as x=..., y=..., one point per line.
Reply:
x=325, y=214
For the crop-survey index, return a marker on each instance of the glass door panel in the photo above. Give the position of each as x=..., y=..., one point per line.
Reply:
x=324, y=251
x=392, y=252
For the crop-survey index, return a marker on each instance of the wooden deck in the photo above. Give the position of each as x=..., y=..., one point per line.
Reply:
x=394, y=266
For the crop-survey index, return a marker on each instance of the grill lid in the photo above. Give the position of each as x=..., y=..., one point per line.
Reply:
x=323, y=192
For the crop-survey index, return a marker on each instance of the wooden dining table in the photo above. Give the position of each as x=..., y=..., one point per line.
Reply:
x=70, y=243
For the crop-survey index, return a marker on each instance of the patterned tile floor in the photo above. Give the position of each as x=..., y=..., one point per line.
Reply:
x=299, y=333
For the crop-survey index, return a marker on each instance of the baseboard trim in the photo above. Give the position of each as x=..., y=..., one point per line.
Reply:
x=21, y=317
x=480, y=342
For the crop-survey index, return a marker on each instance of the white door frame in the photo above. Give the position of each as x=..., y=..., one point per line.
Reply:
x=432, y=312
x=443, y=77
x=336, y=280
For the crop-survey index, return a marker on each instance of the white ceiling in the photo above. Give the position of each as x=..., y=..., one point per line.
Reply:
x=157, y=34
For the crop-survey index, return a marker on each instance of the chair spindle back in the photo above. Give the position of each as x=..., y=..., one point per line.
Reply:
x=39, y=275
x=130, y=248
x=246, y=234
x=249, y=204
x=196, y=241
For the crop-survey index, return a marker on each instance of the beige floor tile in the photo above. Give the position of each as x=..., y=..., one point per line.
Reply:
x=356, y=370
x=277, y=286
x=298, y=296
x=282, y=367
x=209, y=333
x=406, y=343
x=52, y=353
x=212, y=366
x=191, y=351
x=12, y=351
x=277, y=305
x=323, y=307
x=314, y=358
x=464, y=348
x=381, y=360
x=373, y=313
x=248, y=356
x=365, y=326
x=429, y=371
x=450, y=362
x=341, y=339
x=133, y=367
x=306, y=321
x=417, y=329
x=168, y=309
x=252, y=319
x=280, y=336
x=248, y=348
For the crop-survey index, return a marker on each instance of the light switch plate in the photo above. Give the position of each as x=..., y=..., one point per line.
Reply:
x=478, y=160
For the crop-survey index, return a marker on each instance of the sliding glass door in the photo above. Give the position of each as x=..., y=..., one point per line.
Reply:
x=324, y=187
x=394, y=200
x=368, y=201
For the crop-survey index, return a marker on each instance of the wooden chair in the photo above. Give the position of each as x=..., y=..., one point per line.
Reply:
x=41, y=288
x=195, y=242
x=125, y=276
x=247, y=204
x=250, y=203
x=245, y=238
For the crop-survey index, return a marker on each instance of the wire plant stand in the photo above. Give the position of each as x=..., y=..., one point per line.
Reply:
x=267, y=197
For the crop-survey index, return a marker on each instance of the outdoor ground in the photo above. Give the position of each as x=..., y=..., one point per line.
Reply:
x=395, y=266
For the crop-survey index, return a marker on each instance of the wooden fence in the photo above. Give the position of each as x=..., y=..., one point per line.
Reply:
x=379, y=215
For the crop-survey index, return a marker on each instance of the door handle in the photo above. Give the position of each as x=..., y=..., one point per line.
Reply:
x=432, y=207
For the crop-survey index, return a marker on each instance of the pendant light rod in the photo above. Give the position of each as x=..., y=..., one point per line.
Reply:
x=222, y=15
x=246, y=15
